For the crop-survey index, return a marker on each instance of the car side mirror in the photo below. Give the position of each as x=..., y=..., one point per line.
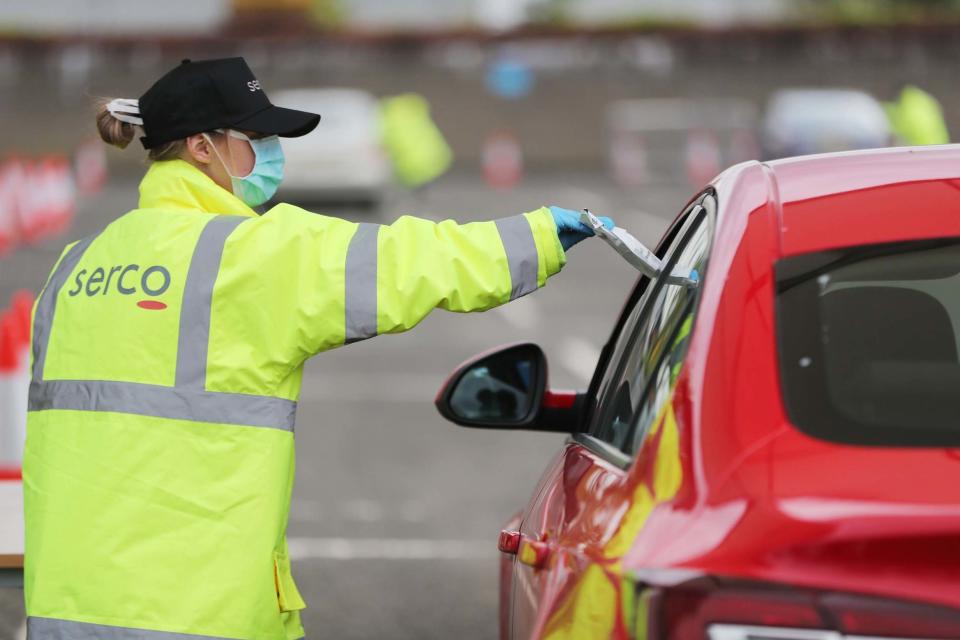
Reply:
x=507, y=389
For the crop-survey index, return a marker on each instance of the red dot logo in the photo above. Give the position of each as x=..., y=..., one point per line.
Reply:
x=151, y=304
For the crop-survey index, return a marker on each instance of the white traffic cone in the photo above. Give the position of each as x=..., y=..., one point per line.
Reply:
x=90, y=166
x=502, y=160
x=628, y=159
x=62, y=192
x=702, y=156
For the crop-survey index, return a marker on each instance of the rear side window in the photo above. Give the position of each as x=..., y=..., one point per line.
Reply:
x=868, y=343
x=652, y=344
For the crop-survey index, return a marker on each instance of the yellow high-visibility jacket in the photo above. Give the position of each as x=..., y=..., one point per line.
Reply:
x=418, y=150
x=168, y=352
x=917, y=118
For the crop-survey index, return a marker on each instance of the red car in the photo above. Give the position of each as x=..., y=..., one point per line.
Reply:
x=771, y=453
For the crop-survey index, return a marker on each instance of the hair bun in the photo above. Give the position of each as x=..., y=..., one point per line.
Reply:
x=112, y=130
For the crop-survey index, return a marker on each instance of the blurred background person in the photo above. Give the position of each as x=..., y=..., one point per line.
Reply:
x=916, y=117
x=418, y=150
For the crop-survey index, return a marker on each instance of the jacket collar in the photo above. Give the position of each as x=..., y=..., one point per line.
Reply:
x=176, y=184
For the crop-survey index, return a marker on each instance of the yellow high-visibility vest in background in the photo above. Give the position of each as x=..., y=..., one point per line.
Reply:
x=167, y=359
x=917, y=118
x=417, y=148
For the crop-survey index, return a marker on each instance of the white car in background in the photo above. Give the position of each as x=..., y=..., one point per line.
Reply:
x=806, y=121
x=343, y=159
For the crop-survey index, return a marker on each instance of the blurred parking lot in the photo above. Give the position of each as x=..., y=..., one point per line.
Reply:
x=396, y=512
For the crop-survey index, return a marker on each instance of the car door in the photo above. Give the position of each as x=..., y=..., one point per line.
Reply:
x=569, y=533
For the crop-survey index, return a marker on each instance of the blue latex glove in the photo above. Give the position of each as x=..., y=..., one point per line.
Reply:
x=569, y=228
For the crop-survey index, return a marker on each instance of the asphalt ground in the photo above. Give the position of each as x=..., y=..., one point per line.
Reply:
x=396, y=512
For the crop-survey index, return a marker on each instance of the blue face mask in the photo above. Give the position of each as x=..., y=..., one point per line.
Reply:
x=263, y=180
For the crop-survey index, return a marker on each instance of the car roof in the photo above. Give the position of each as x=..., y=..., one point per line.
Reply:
x=866, y=197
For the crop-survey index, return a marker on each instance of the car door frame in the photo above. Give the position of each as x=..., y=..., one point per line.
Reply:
x=599, y=446
x=612, y=458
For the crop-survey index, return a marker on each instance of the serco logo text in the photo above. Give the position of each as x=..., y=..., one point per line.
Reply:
x=153, y=281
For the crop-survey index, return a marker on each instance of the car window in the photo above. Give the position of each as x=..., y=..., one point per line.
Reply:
x=629, y=317
x=648, y=336
x=868, y=343
x=666, y=357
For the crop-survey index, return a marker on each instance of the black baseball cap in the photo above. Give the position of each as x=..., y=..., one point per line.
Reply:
x=212, y=94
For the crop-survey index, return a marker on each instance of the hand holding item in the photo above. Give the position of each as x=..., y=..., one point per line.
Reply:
x=569, y=227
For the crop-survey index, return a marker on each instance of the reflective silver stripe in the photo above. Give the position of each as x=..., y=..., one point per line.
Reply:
x=43, y=319
x=521, y=249
x=360, y=280
x=54, y=629
x=197, y=295
x=163, y=402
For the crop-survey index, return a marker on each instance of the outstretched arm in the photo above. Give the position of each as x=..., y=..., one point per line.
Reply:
x=421, y=265
x=310, y=283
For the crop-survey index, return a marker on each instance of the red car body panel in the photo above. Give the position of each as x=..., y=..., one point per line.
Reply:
x=725, y=485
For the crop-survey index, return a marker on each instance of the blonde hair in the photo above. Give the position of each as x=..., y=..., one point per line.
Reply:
x=119, y=134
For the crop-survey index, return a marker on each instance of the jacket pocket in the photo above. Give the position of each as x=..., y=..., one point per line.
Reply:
x=287, y=594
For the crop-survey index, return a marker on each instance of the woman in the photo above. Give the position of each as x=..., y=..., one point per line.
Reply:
x=168, y=353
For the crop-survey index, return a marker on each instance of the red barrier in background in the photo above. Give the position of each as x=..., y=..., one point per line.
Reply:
x=11, y=473
x=11, y=182
x=25, y=200
x=14, y=382
x=59, y=203
x=38, y=196
x=22, y=306
x=47, y=199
